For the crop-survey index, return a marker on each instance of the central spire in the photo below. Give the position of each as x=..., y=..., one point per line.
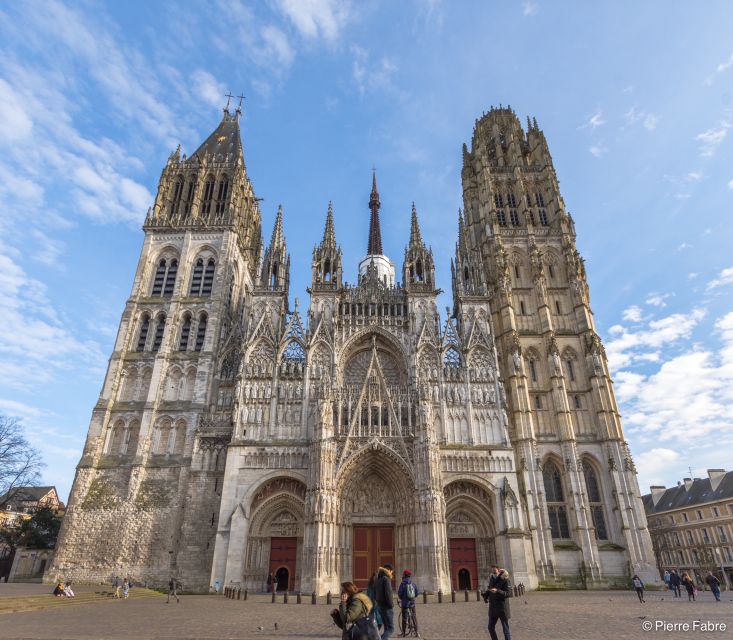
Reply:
x=375, y=233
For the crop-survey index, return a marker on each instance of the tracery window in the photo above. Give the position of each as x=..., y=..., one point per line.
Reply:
x=452, y=358
x=557, y=510
x=170, y=278
x=185, y=333
x=208, y=196
x=595, y=501
x=202, y=279
x=165, y=277
x=143, y=335
x=221, y=196
x=177, y=193
x=201, y=332
x=159, y=329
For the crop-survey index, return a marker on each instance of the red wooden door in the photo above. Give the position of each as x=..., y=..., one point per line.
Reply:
x=283, y=554
x=373, y=547
x=463, y=558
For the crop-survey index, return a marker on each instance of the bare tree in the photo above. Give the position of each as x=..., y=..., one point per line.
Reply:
x=20, y=463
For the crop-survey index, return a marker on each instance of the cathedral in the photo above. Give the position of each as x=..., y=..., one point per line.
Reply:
x=237, y=437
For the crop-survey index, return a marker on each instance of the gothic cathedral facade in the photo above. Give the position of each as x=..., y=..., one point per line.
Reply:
x=235, y=439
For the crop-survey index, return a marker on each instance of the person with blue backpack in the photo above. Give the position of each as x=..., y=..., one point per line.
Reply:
x=407, y=593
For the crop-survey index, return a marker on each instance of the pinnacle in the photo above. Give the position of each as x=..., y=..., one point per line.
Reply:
x=374, y=247
x=329, y=234
x=277, y=239
x=415, y=235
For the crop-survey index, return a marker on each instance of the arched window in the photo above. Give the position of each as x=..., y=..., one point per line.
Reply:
x=555, y=499
x=197, y=278
x=418, y=271
x=189, y=197
x=533, y=370
x=514, y=217
x=208, y=282
x=170, y=278
x=465, y=275
x=177, y=194
x=501, y=216
x=185, y=333
x=595, y=501
x=221, y=196
x=208, y=196
x=571, y=369
x=131, y=438
x=577, y=402
x=159, y=329
x=159, y=278
x=143, y=335
x=201, y=332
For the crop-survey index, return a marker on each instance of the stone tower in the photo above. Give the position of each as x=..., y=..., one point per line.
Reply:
x=145, y=499
x=581, y=497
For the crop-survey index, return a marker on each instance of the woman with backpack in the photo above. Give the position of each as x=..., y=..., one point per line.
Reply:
x=407, y=592
x=638, y=587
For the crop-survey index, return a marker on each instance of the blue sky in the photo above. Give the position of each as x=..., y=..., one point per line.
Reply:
x=635, y=99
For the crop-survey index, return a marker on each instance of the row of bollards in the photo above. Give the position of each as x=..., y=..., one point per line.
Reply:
x=236, y=593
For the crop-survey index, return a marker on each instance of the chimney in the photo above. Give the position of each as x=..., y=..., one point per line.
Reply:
x=716, y=476
x=688, y=483
x=657, y=491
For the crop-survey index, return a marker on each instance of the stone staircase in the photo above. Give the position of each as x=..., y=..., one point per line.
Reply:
x=15, y=604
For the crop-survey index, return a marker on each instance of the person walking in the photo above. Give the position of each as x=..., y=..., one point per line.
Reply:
x=383, y=589
x=125, y=588
x=173, y=590
x=675, y=582
x=497, y=593
x=353, y=614
x=372, y=593
x=407, y=592
x=269, y=583
x=689, y=585
x=714, y=584
x=666, y=579
x=117, y=585
x=638, y=587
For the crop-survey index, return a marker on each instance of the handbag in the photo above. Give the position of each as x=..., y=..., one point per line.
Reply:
x=363, y=629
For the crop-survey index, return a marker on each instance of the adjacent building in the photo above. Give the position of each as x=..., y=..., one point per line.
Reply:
x=692, y=525
x=235, y=437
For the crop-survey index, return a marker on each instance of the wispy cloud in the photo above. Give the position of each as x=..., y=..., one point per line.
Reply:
x=597, y=150
x=632, y=314
x=594, y=121
x=725, y=277
x=710, y=140
x=648, y=120
x=659, y=299
x=529, y=8
x=317, y=18
x=371, y=75
x=723, y=66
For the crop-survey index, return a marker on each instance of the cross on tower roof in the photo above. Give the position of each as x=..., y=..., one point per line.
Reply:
x=228, y=96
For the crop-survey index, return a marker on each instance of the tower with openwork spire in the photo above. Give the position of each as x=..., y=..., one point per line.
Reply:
x=579, y=484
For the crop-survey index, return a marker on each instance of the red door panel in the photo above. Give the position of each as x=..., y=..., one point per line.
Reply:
x=283, y=553
x=463, y=557
x=373, y=547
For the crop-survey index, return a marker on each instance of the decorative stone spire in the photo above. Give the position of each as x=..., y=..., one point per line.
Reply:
x=277, y=231
x=326, y=266
x=275, y=273
x=329, y=234
x=375, y=233
x=415, y=236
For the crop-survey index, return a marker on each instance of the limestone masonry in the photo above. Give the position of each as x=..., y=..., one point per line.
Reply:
x=234, y=438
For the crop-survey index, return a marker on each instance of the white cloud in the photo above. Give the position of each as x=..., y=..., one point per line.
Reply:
x=529, y=8
x=654, y=466
x=595, y=121
x=730, y=184
x=15, y=122
x=630, y=346
x=316, y=18
x=277, y=46
x=632, y=314
x=684, y=245
x=368, y=76
x=723, y=66
x=658, y=299
x=208, y=87
x=648, y=120
x=710, y=140
x=725, y=277
x=597, y=150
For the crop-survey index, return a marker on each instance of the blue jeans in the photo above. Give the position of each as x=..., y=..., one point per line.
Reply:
x=387, y=621
x=716, y=593
x=493, y=619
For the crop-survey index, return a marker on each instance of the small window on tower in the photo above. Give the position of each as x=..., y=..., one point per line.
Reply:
x=576, y=400
x=501, y=216
x=540, y=199
x=533, y=370
x=543, y=218
x=201, y=332
x=538, y=402
x=516, y=271
x=498, y=200
x=511, y=200
x=557, y=307
x=571, y=370
x=522, y=310
x=514, y=217
x=551, y=271
x=143, y=336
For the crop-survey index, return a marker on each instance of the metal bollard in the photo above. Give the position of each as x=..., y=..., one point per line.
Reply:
x=298, y=600
x=239, y=593
x=285, y=597
x=424, y=597
x=245, y=594
x=478, y=595
x=274, y=594
x=452, y=595
x=440, y=596
x=313, y=598
x=515, y=589
x=328, y=598
x=465, y=593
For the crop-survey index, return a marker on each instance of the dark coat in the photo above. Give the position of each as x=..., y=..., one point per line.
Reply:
x=675, y=580
x=713, y=582
x=357, y=607
x=383, y=588
x=498, y=599
x=689, y=585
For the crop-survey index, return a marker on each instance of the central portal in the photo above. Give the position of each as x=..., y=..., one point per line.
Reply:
x=373, y=547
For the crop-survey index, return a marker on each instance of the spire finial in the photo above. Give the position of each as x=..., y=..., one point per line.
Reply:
x=415, y=235
x=375, y=233
x=277, y=230
x=228, y=96
x=329, y=234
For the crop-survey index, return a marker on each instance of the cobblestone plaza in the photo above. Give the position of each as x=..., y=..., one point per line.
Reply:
x=580, y=615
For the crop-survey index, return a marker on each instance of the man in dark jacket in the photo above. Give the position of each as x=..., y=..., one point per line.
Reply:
x=714, y=585
x=675, y=582
x=385, y=604
x=496, y=595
